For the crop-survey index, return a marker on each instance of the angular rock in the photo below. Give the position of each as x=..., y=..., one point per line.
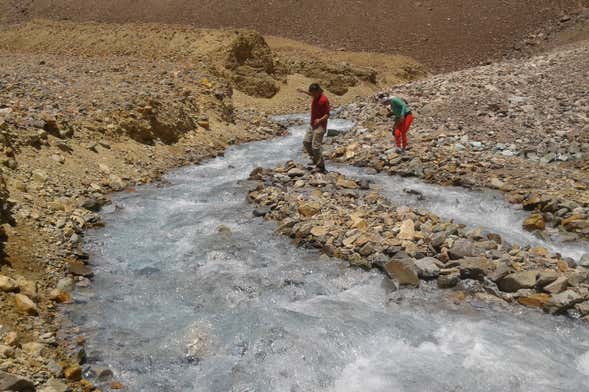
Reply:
x=474, y=267
x=25, y=305
x=517, y=281
x=534, y=222
x=407, y=231
x=59, y=296
x=73, y=373
x=545, y=278
x=448, y=281
x=53, y=385
x=14, y=383
x=80, y=269
x=403, y=271
x=8, y=284
x=462, y=248
x=342, y=182
x=583, y=308
x=427, y=268
x=437, y=240
x=309, y=209
x=557, y=286
x=500, y=272
x=536, y=300
x=563, y=301
x=367, y=249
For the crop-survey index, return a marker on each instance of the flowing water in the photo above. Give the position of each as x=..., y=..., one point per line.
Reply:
x=192, y=293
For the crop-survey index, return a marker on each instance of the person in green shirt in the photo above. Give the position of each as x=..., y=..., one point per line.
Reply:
x=403, y=118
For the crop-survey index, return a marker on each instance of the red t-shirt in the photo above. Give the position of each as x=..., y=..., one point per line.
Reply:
x=319, y=108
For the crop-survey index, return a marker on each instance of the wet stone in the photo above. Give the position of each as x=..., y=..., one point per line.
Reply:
x=427, y=268
x=404, y=271
x=517, y=281
x=449, y=280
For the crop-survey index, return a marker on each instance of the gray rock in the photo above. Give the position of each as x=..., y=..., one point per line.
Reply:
x=427, y=268
x=559, y=285
x=261, y=211
x=499, y=273
x=14, y=383
x=583, y=308
x=584, y=261
x=437, y=240
x=462, y=248
x=296, y=172
x=563, y=301
x=517, y=281
x=545, y=278
x=416, y=167
x=548, y=158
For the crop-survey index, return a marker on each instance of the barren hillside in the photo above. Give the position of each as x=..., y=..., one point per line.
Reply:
x=444, y=34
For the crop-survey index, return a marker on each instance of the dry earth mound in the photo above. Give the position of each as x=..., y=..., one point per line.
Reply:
x=241, y=56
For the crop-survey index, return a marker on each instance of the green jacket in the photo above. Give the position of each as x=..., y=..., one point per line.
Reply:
x=399, y=108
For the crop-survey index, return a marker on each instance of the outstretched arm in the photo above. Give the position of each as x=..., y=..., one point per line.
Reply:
x=300, y=90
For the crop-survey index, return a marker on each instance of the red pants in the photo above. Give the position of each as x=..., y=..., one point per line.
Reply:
x=401, y=131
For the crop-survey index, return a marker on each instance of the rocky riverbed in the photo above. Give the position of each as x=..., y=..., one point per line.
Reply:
x=347, y=219
x=520, y=127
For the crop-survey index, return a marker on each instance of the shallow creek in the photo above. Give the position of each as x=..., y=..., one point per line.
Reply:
x=192, y=293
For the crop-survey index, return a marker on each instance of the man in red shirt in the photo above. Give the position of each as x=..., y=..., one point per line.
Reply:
x=319, y=115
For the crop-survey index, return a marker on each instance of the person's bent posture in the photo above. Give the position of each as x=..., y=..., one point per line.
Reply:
x=319, y=115
x=403, y=119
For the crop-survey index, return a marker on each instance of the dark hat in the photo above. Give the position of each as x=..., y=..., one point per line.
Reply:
x=315, y=87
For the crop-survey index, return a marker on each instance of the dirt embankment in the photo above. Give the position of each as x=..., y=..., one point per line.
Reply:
x=90, y=109
x=443, y=34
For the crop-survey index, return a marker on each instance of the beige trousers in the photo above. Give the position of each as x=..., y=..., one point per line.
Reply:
x=313, y=143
